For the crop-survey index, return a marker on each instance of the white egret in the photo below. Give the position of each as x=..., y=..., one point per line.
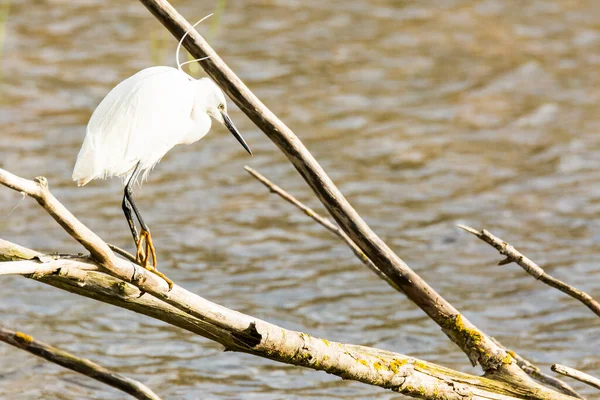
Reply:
x=137, y=123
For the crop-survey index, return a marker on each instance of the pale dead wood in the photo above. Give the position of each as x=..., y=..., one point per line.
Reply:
x=244, y=333
x=513, y=255
x=121, y=252
x=525, y=365
x=477, y=345
x=77, y=364
x=576, y=374
x=389, y=370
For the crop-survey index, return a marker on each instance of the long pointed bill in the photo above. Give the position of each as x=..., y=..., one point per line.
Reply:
x=229, y=124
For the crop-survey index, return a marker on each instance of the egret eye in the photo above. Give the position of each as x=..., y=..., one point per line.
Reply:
x=221, y=107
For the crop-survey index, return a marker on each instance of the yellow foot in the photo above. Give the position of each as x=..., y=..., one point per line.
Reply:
x=143, y=256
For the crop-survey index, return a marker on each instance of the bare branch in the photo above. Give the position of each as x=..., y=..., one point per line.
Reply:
x=389, y=370
x=575, y=374
x=546, y=379
x=525, y=365
x=81, y=365
x=323, y=221
x=513, y=255
x=476, y=344
x=244, y=333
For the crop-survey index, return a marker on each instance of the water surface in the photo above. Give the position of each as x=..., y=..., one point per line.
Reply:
x=426, y=114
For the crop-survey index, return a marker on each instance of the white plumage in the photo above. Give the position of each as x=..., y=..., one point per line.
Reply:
x=142, y=118
x=137, y=123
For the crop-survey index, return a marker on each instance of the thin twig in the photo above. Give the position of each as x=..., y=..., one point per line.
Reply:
x=513, y=255
x=123, y=253
x=325, y=222
x=81, y=365
x=575, y=374
x=546, y=379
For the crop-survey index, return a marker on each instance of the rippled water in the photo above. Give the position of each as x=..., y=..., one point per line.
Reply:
x=426, y=114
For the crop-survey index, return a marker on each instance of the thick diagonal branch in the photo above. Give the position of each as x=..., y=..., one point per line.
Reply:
x=513, y=255
x=81, y=365
x=525, y=365
x=476, y=344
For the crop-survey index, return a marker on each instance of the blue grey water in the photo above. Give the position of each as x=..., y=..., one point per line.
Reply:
x=426, y=114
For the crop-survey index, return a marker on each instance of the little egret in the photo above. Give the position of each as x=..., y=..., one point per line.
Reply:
x=137, y=123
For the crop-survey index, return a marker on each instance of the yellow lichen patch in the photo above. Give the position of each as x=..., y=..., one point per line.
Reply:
x=466, y=338
x=326, y=342
x=380, y=367
x=23, y=338
x=364, y=362
x=396, y=364
x=508, y=359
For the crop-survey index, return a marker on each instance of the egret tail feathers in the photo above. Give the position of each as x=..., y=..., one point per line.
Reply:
x=84, y=170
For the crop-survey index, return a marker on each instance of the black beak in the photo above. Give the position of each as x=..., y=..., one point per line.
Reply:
x=229, y=124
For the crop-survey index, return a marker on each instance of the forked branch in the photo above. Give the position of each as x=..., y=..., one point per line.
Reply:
x=513, y=255
x=323, y=221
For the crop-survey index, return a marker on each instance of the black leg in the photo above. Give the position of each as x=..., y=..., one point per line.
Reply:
x=129, y=216
x=128, y=197
x=143, y=239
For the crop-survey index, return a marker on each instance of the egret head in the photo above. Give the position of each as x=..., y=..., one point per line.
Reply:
x=216, y=107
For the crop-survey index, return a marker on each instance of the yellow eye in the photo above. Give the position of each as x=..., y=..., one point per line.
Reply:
x=221, y=106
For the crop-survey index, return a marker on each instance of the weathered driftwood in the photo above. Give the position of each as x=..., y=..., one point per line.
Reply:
x=376, y=367
x=476, y=344
x=148, y=295
x=244, y=333
x=524, y=364
x=513, y=255
x=576, y=374
x=78, y=364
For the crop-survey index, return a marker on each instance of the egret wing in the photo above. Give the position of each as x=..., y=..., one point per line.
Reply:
x=141, y=119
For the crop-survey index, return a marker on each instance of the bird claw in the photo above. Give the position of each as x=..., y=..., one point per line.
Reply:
x=145, y=250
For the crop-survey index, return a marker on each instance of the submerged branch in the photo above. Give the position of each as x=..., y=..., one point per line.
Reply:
x=77, y=364
x=513, y=255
